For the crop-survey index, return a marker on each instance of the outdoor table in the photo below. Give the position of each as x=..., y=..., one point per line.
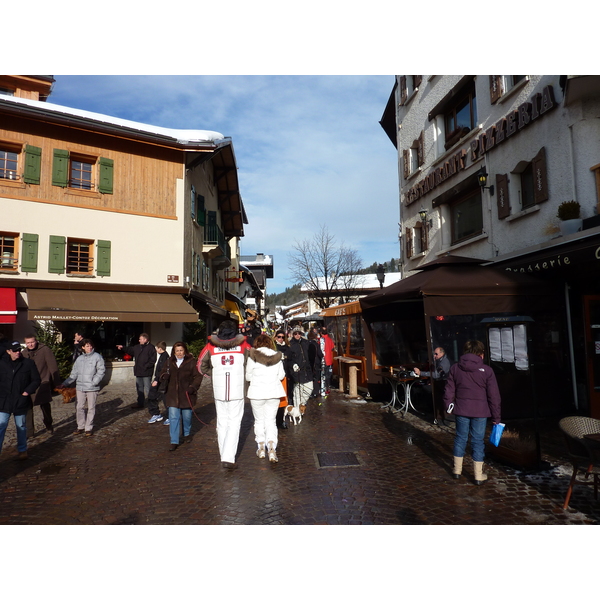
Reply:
x=352, y=375
x=406, y=383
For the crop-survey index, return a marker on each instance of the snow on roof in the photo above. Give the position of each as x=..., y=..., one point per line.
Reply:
x=256, y=261
x=181, y=135
x=357, y=282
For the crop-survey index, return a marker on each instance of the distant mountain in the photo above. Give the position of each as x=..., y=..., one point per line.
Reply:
x=289, y=296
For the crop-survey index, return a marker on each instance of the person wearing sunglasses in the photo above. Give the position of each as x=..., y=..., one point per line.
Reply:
x=281, y=344
x=301, y=371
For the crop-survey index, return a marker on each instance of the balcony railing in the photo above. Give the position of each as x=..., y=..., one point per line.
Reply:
x=213, y=236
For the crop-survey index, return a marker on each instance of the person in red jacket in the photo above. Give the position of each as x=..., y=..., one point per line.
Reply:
x=473, y=391
x=328, y=347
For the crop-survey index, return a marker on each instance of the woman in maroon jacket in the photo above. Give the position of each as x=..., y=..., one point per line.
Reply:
x=473, y=390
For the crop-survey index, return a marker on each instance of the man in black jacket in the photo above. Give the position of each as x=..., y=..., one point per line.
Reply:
x=19, y=378
x=144, y=355
x=301, y=370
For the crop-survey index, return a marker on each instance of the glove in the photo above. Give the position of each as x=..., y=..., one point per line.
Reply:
x=296, y=368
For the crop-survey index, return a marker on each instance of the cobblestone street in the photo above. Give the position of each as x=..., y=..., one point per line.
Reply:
x=399, y=473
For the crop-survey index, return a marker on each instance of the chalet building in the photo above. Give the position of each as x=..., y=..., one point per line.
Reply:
x=110, y=226
x=485, y=165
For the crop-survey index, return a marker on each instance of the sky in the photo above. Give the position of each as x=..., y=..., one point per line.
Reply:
x=310, y=150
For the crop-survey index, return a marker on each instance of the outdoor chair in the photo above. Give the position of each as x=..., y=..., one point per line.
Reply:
x=582, y=452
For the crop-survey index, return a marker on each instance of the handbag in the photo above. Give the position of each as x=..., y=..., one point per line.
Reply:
x=164, y=381
x=496, y=434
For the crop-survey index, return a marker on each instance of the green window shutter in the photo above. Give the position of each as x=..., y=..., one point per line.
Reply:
x=201, y=216
x=105, y=182
x=33, y=165
x=29, y=252
x=103, y=259
x=60, y=168
x=56, y=260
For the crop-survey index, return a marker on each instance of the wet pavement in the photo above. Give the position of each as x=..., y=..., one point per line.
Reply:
x=347, y=462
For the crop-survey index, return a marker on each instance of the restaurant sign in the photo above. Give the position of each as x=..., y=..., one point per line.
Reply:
x=518, y=119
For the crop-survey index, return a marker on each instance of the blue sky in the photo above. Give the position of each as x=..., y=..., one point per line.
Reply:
x=309, y=149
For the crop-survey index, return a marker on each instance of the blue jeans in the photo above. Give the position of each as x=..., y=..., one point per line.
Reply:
x=175, y=416
x=475, y=426
x=142, y=385
x=20, y=421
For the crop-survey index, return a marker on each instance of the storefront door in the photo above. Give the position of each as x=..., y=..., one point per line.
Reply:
x=592, y=335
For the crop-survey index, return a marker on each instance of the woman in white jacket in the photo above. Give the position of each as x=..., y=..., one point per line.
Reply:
x=264, y=371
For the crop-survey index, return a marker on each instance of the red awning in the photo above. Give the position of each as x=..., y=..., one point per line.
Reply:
x=8, y=305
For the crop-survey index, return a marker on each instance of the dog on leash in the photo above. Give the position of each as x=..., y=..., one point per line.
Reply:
x=68, y=393
x=293, y=413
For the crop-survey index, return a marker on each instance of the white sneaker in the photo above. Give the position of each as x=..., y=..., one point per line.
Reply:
x=272, y=453
x=155, y=418
x=167, y=422
x=261, y=451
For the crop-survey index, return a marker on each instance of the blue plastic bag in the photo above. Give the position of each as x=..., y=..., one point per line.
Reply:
x=496, y=434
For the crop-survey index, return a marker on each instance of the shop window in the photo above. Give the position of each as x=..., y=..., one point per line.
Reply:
x=9, y=246
x=466, y=217
x=81, y=172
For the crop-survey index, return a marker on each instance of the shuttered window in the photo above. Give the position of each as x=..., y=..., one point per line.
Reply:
x=33, y=165
x=502, y=196
x=105, y=176
x=540, y=177
x=409, y=242
x=56, y=258
x=103, y=258
x=201, y=210
x=60, y=168
x=29, y=252
x=496, y=87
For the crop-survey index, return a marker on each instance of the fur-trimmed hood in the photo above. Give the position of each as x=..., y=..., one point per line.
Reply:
x=226, y=344
x=265, y=356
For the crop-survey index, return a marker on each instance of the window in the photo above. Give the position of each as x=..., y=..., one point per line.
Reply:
x=75, y=256
x=527, y=182
x=466, y=217
x=414, y=157
x=80, y=256
x=527, y=196
x=80, y=172
x=420, y=238
x=502, y=84
x=8, y=164
x=408, y=85
x=6, y=92
x=9, y=244
x=460, y=116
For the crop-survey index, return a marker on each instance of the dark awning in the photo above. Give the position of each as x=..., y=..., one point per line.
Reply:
x=83, y=305
x=8, y=305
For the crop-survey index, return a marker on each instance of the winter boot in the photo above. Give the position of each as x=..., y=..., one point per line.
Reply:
x=480, y=476
x=458, y=462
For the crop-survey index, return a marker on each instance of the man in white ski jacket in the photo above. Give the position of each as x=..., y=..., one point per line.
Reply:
x=223, y=359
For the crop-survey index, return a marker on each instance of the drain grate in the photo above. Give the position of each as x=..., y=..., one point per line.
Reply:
x=337, y=459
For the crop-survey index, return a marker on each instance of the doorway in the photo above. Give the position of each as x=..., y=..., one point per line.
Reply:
x=592, y=339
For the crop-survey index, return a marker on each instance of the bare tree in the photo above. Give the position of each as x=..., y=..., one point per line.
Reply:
x=327, y=270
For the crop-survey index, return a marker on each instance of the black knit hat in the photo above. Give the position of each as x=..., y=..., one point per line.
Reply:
x=227, y=330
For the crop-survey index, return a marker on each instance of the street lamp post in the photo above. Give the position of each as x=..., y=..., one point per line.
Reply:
x=380, y=275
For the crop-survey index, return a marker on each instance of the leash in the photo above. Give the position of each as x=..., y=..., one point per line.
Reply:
x=194, y=412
